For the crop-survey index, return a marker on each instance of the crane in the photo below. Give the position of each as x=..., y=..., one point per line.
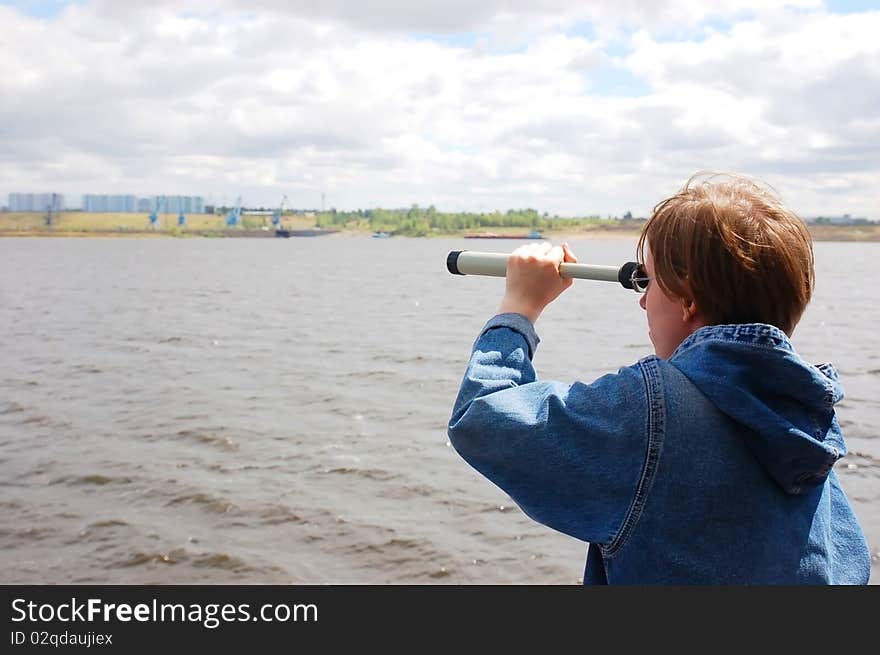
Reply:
x=154, y=217
x=234, y=216
x=181, y=219
x=49, y=209
x=276, y=215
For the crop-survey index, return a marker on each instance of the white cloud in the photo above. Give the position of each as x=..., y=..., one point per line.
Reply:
x=500, y=16
x=799, y=96
x=301, y=98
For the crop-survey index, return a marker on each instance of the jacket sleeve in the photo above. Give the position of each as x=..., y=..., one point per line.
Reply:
x=570, y=456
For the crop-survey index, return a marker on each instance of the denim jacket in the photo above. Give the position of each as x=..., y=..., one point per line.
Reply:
x=712, y=467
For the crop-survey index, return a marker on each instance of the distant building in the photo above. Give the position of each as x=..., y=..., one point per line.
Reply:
x=177, y=204
x=109, y=203
x=36, y=202
x=129, y=204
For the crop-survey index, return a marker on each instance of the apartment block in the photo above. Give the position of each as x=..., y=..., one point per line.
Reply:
x=36, y=202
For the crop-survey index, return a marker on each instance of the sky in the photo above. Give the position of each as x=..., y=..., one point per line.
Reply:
x=575, y=109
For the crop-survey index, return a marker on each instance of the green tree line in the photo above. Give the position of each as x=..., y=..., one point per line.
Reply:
x=419, y=221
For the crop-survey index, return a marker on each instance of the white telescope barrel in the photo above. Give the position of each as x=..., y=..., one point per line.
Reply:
x=494, y=264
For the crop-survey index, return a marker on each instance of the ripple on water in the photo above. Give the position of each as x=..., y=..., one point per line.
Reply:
x=109, y=523
x=221, y=561
x=180, y=556
x=408, y=491
x=211, y=503
x=209, y=438
x=91, y=479
x=36, y=420
x=27, y=535
x=398, y=358
x=11, y=408
x=87, y=368
x=411, y=558
x=140, y=558
x=861, y=463
x=279, y=514
x=370, y=474
x=108, y=531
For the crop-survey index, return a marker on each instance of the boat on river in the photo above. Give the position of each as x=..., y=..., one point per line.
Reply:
x=285, y=233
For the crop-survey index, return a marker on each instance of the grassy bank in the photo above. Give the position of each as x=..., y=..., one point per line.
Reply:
x=845, y=232
x=865, y=233
x=209, y=225
x=33, y=222
x=74, y=224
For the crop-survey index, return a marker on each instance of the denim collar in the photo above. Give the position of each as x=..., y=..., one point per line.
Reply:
x=752, y=373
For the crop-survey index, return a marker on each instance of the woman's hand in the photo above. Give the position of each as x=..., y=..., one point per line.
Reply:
x=533, y=279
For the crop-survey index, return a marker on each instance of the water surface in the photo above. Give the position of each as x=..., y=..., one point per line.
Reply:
x=274, y=410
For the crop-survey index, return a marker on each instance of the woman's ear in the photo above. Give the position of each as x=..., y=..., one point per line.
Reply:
x=689, y=310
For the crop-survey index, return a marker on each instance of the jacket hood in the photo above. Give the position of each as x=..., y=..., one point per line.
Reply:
x=785, y=405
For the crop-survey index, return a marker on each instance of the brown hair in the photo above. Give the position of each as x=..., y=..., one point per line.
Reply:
x=731, y=246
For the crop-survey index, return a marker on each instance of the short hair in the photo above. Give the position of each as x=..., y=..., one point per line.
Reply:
x=731, y=246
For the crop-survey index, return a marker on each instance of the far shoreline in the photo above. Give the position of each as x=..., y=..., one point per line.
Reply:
x=413, y=223
x=851, y=233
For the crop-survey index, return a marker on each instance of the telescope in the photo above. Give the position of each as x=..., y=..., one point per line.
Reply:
x=470, y=262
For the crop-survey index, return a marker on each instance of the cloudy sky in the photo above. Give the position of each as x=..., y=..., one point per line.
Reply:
x=571, y=108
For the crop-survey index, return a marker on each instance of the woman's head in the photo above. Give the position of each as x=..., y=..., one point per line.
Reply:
x=729, y=250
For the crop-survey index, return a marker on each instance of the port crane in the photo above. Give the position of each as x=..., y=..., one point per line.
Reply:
x=233, y=218
x=181, y=218
x=49, y=209
x=154, y=217
x=276, y=215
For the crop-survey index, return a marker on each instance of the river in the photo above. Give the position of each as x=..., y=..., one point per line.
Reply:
x=274, y=410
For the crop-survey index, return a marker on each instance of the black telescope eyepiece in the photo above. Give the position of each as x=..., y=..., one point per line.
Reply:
x=452, y=262
x=627, y=273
